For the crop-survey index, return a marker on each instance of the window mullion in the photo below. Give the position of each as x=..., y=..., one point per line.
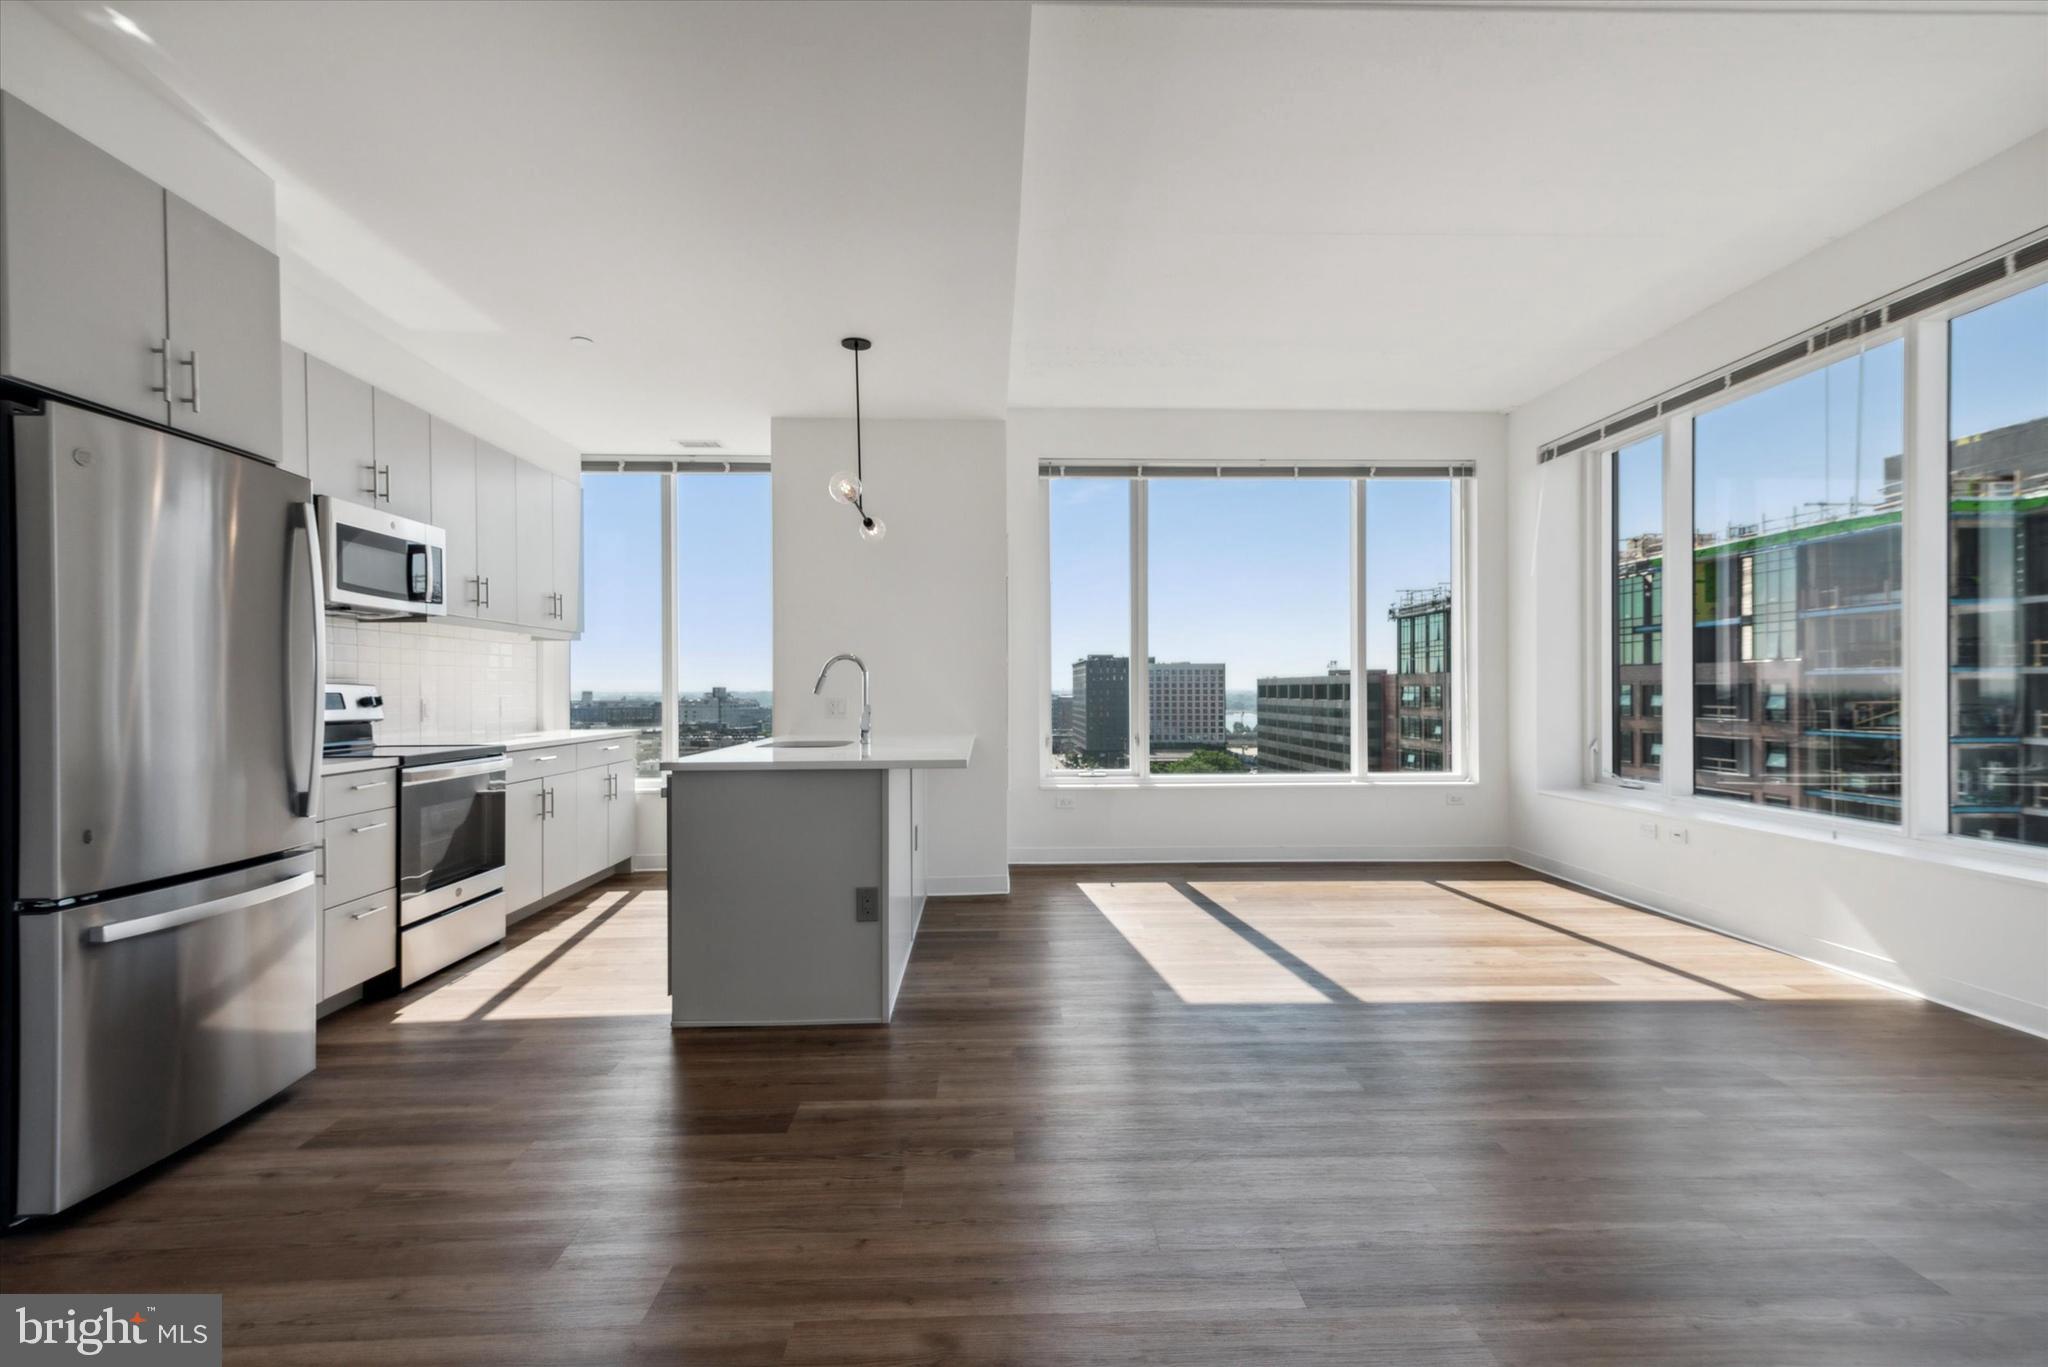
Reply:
x=1140, y=672
x=1924, y=683
x=1361, y=748
x=1679, y=563
x=670, y=712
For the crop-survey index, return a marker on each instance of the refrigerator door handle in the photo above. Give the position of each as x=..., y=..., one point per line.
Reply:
x=302, y=796
x=202, y=911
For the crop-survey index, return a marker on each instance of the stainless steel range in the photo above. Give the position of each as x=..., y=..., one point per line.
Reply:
x=451, y=834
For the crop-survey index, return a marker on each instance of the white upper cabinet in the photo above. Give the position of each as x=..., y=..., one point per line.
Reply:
x=292, y=382
x=223, y=327
x=340, y=425
x=454, y=512
x=399, y=442
x=536, y=529
x=568, y=558
x=118, y=293
x=497, y=534
x=83, y=254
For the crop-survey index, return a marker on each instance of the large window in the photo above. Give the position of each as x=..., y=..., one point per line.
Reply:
x=1998, y=570
x=706, y=635
x=1866, y=510
x=1089, y=538
x=615, y=667
x=1798, y=591
x=1249, y=600
x=725, y=643
x=1409, y=621
x=1636, y=487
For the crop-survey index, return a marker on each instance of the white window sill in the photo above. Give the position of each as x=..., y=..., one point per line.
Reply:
x=1957, y=852
x=1048, y=782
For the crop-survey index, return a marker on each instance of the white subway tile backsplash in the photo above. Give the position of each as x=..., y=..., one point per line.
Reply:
x=440, y=681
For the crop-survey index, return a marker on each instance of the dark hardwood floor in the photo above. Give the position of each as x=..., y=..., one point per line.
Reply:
x=1410, y=1116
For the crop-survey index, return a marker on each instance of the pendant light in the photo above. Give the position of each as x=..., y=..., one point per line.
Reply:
x=846, y=488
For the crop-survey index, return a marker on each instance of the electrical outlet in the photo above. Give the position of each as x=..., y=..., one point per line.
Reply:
x=1454, y=799
x=867, y=904
x=1061, y=802
x=1648, y=830
x=835, y=707
x=1679, y=835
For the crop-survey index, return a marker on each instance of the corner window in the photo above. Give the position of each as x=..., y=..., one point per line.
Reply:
x=1636, y=486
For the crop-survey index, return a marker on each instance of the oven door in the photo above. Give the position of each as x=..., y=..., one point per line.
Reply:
x=451, y=834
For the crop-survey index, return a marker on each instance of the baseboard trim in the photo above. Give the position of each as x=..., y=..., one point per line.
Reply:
x=969, y=885
x=1259, y=854
x=1985, y=1004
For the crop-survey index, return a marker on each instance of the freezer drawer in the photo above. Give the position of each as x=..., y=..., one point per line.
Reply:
x=433, y=945
x=152, y=1020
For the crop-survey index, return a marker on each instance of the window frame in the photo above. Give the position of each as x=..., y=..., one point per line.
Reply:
x=1924, y=700
x=1460, y=642
x=671, y=601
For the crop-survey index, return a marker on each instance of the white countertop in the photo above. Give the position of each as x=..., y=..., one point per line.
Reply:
x=885, y=752
x=533, y=740
x=357, y=764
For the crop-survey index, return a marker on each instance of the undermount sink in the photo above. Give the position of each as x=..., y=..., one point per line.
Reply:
x=802, y=743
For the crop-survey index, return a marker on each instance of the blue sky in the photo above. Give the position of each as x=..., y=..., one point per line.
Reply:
x=1998, y=364
x=1253, y=572
x=724, y=572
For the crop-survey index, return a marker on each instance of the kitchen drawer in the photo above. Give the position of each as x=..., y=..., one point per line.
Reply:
x=358, y=940
x=365, y=790
x=549, y=759
x=432, y=945
x=593, y=753
x=361, y=856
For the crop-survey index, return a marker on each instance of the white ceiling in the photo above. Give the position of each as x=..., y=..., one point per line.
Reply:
x=1458, y=207
x=1381, y=206
x=715, y=192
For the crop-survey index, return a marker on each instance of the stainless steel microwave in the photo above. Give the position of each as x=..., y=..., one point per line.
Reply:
x=381, y=565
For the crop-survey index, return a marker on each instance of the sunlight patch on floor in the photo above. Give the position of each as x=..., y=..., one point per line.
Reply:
x=1200, y=958
x=1747, y=968
x=606, y=958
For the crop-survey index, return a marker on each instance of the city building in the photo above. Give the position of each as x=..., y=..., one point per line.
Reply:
x=1304, y=721
x=1796, y=659
x=1187, y=704
x=1998, y=633
x=1100, y=711
x=638, y=709
x=722, y=709
x=1422, y=678
x=1639, y=657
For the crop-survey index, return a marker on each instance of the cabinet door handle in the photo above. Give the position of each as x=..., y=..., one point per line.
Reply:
x=365, y=787
x=484, y=587
x=191, y=362
x=543, y=759
x=371, y=488
x=384, y=482
x=373, y=826
x=365, y=913
x=476, y=597
x=162, y=352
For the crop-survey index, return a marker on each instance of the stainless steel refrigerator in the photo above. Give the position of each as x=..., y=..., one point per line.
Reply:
x=164, y=642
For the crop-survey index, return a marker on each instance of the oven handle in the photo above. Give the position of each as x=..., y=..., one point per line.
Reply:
x=434, y=773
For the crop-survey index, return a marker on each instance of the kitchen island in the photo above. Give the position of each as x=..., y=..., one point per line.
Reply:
x=796, y=877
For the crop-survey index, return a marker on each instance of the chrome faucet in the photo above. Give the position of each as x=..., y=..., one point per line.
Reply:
x=867, y=713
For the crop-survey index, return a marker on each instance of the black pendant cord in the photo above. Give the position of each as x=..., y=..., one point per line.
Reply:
x=860, y=472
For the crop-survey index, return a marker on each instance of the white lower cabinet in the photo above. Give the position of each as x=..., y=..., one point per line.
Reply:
x=559, y=838
x=624, y=827
x=358, y=940
x=593, y=820
x=525, y=838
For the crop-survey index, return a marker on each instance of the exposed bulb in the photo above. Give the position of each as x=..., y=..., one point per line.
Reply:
x=844, y=488
x=873, y=529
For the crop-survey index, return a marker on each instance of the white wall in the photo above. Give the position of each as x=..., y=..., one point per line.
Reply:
x=924, y=607
x=1971, y=936
x=1277, y=821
